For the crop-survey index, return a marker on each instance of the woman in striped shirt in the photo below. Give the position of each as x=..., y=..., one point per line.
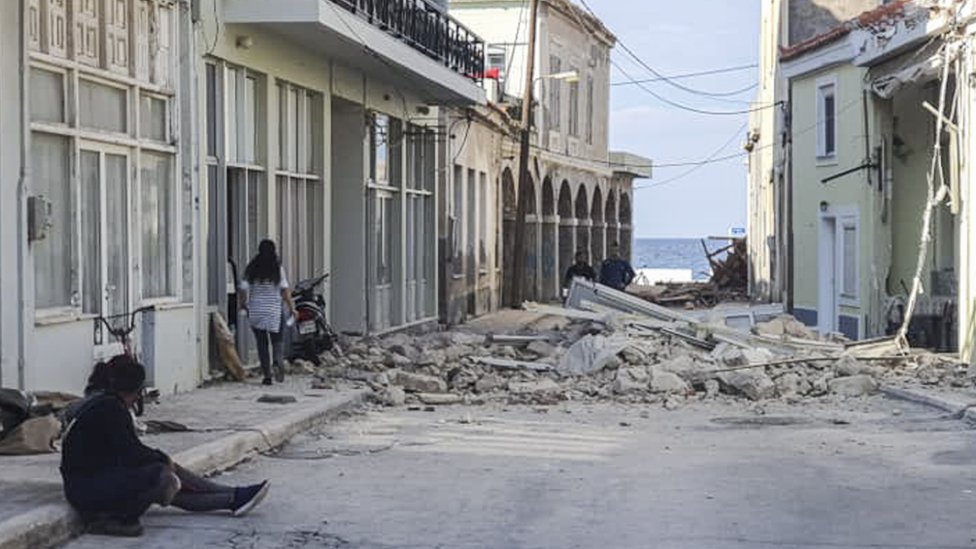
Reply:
x=263, y=290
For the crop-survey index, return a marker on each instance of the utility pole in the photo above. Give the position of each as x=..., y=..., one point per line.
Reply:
x=524, y=173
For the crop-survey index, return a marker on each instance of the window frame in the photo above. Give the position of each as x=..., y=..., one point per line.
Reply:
x=826, y=87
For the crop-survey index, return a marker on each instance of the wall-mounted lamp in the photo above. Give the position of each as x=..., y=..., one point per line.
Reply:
x=244, y=42
x=824, y=206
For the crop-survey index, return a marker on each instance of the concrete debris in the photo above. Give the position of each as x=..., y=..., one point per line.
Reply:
x=612, y=346
x=853, y=386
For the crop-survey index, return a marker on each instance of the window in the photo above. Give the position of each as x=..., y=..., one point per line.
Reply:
x=471, y=213
x=589, y=110
x=457, y=239
x=116, y=201
x=574, y=108
x=379, y=149
x=241, y=99
x=484, y=211
x=849, y=261
x=826, y=120
x=419, y=185
x=212, y=110
x=54, y=274
x=300, y=196
x=497, y=61
x=555, y=108
x=157, y=209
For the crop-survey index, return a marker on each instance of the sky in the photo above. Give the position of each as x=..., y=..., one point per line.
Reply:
x=677, y=38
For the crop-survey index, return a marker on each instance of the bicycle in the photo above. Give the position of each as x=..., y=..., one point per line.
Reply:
x=122, y=332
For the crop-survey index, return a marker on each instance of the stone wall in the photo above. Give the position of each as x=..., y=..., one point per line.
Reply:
x=809, y=18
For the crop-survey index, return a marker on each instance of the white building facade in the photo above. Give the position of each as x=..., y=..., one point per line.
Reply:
x=149, y=145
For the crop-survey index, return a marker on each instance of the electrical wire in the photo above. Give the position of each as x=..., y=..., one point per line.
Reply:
x=694, y=169
x=651, y=69
x=692, y=75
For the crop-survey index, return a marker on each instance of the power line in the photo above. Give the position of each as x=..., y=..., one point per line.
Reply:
x=688, y=108
x=710, y=158
x=691, y=75
x=651, y=69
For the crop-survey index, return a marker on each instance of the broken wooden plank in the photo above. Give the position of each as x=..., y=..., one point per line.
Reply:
x=511, y=339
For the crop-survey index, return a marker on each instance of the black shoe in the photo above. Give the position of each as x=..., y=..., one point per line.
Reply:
x=247, y=498
x=115, y=528
x=279, y=371
x=267, y=381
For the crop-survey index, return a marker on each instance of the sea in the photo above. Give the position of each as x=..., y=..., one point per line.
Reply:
x=676, y=253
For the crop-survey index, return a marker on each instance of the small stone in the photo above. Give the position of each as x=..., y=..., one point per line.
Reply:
x=673, y=402
x=277, y=399
x=853, y=386
x=896, y=412
x=712, y=388
x=417, y=383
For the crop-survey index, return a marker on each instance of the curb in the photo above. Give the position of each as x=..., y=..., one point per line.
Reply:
x=55, y=524
x=955, y=407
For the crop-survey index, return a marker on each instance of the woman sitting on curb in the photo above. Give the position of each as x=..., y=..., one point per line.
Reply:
x=111, y=478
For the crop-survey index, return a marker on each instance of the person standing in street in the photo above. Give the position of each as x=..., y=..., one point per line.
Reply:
x=264, y=290
x=616, y=271
x=580, y=269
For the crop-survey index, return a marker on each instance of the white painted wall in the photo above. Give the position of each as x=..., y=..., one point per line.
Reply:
x=9, y=178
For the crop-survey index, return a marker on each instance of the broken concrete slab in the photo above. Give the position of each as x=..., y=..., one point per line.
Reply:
x=630, y=380
x=392, y=397
x=542, y=386
x=439, y=399
x=753, y=385
x=541, y=348
x=489, y=382
x=507, y=364
x=668, y=382
x=591, y=354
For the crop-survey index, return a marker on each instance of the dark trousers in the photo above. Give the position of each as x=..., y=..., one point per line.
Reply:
x=127, y=493
x=263, y=337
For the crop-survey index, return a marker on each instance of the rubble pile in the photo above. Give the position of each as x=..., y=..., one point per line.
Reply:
x=628, y=358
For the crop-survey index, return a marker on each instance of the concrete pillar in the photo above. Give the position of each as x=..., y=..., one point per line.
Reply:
x=583, y=237
x=598, y=242
x=531, y=283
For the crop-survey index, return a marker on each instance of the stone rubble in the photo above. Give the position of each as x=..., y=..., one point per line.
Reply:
x=590, y=360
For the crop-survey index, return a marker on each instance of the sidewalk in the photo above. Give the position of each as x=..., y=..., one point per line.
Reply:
x=958, y=403
x=228, y=425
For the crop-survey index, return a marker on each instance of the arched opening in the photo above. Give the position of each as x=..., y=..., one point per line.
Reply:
x=567, y=233
x=597, y=231
x=626, y=227
x=530, y=261
x=549, y=250
x=509, y=215
x=610, y=217
x=582, y=222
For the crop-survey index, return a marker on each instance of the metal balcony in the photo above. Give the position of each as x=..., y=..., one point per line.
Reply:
x=426, y=29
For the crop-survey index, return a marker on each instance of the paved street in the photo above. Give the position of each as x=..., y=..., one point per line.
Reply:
x=871, y=473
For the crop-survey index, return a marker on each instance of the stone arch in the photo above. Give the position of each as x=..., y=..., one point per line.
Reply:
x=565, y=200
x=610, y=214
x=598, y=230
x=509, y=215
x=626, y=226
x=548, y=198
x=567, y=232
x=582, y=210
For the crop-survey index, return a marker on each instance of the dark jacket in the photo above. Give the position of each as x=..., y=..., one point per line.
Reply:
x=580, y=271
x=101, y=436
x=616, y=273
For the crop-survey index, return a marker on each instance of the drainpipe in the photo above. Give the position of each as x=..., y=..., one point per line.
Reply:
x=22, y=194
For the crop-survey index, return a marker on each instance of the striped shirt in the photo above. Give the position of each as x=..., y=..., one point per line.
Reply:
x=264, y=303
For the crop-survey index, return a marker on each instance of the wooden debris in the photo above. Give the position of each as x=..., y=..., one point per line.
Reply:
x=226, y=347
x=513, y=364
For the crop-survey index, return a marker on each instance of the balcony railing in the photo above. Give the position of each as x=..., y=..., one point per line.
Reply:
x=427, y=30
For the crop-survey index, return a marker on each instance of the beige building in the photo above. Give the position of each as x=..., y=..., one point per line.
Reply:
x=579, y=200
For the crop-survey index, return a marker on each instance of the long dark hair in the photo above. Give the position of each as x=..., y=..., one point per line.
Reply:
x=265, y=267
x=122, y=374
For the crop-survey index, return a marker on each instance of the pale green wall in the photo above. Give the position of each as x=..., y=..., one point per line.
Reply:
x=850, y=191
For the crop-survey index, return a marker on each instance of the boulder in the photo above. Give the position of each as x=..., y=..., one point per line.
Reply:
x=392, y=396
x=754, y=385
x=712, y=388
x=853, y=386
x=633, y=355
x=784, y=325
x=417, y=383
x=541, y=349
x=847, y=366
x=788, y=384
x=489, y=382
x=630, y=380
x=667, y=382
x=729, y=355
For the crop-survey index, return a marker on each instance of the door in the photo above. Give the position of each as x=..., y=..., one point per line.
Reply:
x=827, y=276
x=104, y=230
x=382, y=254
